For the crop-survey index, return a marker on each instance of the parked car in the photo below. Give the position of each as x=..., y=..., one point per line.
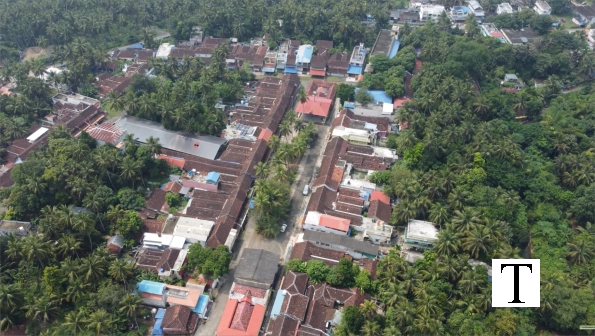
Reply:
x=306, y=190
x=283, y=227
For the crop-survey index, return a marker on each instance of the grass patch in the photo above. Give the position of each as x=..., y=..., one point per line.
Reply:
x=110, y=112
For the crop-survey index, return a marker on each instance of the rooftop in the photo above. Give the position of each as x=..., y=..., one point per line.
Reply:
x=422, y=230
x=193, y=228
x=106, y=132
x=240, y=319
x=306, y=251
x=344, y=241
x=304, y=54
x=383, y=43
x=257, y=268
x=203, y=146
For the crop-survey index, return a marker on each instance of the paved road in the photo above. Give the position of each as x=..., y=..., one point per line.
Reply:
x=280, y=244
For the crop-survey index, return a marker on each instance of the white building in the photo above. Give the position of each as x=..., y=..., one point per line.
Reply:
x=459, y=13
x=378, y=232
x=542, y=8
x=430, y=12
x=420, y=234
x=504, y=8
x=477, y=10
x=193, y=229
x=163, y=241
x=164, y=50
x=315, y=221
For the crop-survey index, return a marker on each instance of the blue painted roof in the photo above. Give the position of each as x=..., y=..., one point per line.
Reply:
x=364, y=194
x=355, y=70
x=160, y=313
x=157, y=327
x=201, y=305
x=379, y=96
x=213, y=177
x=394, y=49
x=151, y=287
x=136, y=46
x=304, y=54
x=278, y=303
x=291, y=70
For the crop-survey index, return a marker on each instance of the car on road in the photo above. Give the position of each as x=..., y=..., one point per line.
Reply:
x=283, y=227
x=306, y=190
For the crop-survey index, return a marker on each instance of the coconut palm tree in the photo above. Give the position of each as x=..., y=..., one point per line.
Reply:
x=36, y=249
x=153, y=146
x=120, y=270
x=68, y=245
x=44, y=309
x=74, y=322
x=371, y=328
x=448, y=242
x=471, y=281
x=129, y=306
x=478, y=241
x=404, y=315
x=261, y=170
x=11, y=298
x=368, y=308
x=130, y=169
x=77, y=289
x=580, y=252
x=392, y=330
x=466, y=219
x=99, y=322
x=439, y=213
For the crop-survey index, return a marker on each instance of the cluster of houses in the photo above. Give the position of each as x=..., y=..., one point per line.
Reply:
x=76, y=112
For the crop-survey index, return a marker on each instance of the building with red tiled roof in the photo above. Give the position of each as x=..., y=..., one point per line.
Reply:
x=379, y=210
x=399, y=102
x=306, y=251
x=379, y=195
x=316, y=221
x=241, y=318
x=179, y=320
x=106, y=133
x=156, y=201
x=320, y=100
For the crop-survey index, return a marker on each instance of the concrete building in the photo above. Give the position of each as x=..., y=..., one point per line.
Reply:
x=504, y=8
x=355, y=248
x=193, y=229
x=459, y=13
x=476, y=9
x=420, y=234
x=356, y=62
x=315, y=221
x=430, y=12
x=542, y=8
x=304, y=58
x=490, y=30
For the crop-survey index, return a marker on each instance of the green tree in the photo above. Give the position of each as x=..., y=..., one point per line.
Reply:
x=345, y=92
x=317, y=271
x=128, y=224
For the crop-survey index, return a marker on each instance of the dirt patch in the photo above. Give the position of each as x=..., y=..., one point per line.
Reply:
x=34, y=52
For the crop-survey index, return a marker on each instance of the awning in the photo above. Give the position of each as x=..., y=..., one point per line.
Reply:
x=320, y=73
x=269, y=70
x=291, y=70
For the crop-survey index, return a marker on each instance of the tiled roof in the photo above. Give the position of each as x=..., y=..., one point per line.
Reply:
x=338, y=63
x=283, y=325
x=306, y=251
x=254, y=292
x=241, y=318
x=178, y=319
x=380, y=210
x=156, y=200
x=369, y=265
x=246, y=317
x=106, y=132
x=379, y=195
x=335, y=223
x=323, y=45
x=295, y=305
x=295, y=282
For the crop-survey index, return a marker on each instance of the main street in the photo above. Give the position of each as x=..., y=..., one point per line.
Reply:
x=280, y=244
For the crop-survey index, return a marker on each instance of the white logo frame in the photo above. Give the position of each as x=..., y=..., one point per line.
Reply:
x=497, y=281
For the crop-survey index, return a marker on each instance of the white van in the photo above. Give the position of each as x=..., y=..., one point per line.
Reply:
x=306, y=190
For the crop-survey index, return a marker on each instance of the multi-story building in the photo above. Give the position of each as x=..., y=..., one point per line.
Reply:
x=542, y=8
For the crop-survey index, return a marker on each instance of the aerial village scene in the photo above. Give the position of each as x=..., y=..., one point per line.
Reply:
x=295, y=168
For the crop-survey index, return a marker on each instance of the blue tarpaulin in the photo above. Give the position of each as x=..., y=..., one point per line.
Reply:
x=213, y=177
x=278, y=303
x=291, y=70
x=354, y=70
x=151, y=287
x=158, y=320
x=379, y=96
x=201, y=305
x=394, y=49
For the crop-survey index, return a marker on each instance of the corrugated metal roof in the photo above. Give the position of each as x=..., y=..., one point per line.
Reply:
x=151, y=287
x=204, y=146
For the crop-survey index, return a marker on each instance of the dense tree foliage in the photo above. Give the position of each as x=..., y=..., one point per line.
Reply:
x=272, y=187
x=494, y=186
x=208, y=262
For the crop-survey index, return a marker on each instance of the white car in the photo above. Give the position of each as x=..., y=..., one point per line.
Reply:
x=283, y=227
